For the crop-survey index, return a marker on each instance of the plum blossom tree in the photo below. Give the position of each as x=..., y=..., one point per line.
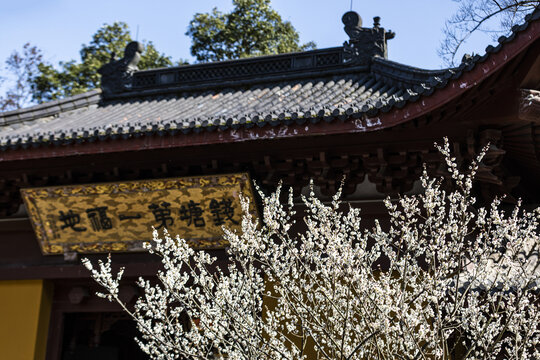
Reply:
x=446, y=279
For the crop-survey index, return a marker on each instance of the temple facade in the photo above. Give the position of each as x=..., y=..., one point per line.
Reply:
x=173, y=147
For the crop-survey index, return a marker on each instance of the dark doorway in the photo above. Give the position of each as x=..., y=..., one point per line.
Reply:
x=103, y=336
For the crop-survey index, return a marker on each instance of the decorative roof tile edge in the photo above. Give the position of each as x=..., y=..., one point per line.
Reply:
x=51, y=108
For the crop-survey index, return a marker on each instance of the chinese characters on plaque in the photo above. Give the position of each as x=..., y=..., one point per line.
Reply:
x=120, y=216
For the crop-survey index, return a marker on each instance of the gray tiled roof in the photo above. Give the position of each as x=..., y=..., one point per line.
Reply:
x=319, y=98
x=314, y=94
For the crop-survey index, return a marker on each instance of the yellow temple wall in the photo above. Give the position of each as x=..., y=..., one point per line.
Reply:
x=24, y=319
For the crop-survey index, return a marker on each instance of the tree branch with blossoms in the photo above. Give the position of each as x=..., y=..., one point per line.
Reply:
x=444, y=279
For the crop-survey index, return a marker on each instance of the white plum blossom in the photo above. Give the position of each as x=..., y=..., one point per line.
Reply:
x=444, y=279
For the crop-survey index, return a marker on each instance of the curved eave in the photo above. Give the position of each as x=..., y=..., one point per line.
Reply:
x=359, y=123
x=457, y=87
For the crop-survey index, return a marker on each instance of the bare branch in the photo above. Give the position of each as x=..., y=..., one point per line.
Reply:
x=495, y=17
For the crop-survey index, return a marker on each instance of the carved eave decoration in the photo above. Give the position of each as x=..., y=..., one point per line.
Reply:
x=529, y=107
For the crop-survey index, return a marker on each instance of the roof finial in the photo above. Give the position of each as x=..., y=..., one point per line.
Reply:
x=116, y=75
x=351, y=19
x=364, y=43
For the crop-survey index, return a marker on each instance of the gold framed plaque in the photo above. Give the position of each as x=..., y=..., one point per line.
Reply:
x=119, y=216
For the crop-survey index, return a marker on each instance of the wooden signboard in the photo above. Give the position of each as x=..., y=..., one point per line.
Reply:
x=118, y=217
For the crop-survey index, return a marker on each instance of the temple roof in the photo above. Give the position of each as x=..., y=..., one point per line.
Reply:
x=328, y=85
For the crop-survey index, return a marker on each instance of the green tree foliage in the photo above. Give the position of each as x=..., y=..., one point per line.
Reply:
x=252, y=28
x=72, y=77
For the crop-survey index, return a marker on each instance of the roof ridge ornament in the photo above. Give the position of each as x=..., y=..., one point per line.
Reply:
x=364, y=43
x=117, y=75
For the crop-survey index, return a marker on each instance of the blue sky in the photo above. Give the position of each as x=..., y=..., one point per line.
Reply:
x=59, y=27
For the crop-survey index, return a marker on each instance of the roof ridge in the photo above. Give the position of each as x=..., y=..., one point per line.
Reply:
x=252, y=70
x=121, y=76
x=50, y=108
x=399, y=74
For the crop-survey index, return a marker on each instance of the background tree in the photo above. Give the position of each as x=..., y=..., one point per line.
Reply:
x=445, y=279
x=22, y=68
x=74, y=77
x=495, y=17
x=252, y=28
